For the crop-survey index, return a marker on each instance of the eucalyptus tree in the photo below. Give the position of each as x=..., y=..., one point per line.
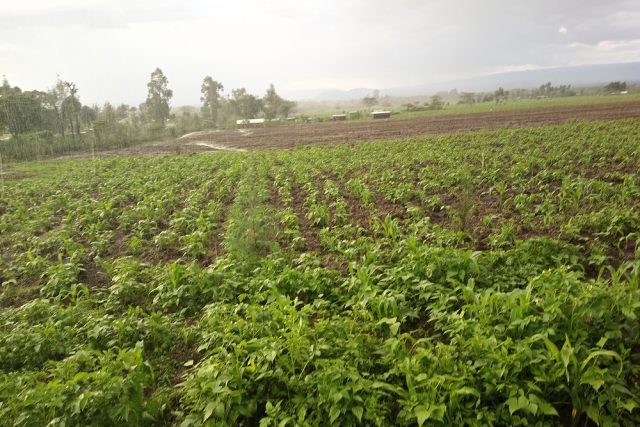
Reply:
x=71, y=108
x=244, y=104
x=20, y=111
x=158, y=97
x=211, y=99
x=271, y=103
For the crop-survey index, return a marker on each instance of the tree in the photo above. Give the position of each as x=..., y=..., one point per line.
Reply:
x=274, y=105
x=108, y=114
x=468, y=98
x=548, y=90
x=545, y=89
x=211, y=98
x=501, y=95
x=286, y=107
x=5, y=89
x=158, y=97
x=488, y=97
x=104, y=123
x=409, y=106
x=616, y=87
x=436, y=103
x=271, y=103
x=245, y=105
x=20, y=111
x=88, y=115
x=122, y=112
x=370, y=101
x=70, y=108
x=53, y=103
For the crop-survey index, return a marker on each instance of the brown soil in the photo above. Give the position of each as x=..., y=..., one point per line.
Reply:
x=307, y=230
x=276, y=202
x=302, y=134
x=367, y=130
x=358, y=213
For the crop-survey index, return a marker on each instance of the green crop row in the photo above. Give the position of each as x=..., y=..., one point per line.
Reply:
x=486, y=278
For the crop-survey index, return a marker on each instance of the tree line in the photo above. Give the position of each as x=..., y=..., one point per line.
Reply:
x=546, y=90
x=55, y=122
x=217, y=109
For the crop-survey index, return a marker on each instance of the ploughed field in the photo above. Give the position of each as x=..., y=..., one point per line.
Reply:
x=481, y=278
x=294, y=135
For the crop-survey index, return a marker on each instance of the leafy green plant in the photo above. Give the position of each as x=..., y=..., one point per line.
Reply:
x=383, y=283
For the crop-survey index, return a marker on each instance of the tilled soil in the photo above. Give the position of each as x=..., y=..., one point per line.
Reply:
x=300, y=134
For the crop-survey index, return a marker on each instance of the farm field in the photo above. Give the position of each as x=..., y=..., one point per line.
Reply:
x=326, y=108
x=526, y=104
x=474, y=278
x=402, y=126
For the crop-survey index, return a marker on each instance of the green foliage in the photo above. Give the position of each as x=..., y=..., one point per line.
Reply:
x=62, y=282
x=251, y=227
x=158, y=97
x=616, y=86
x=55, y=123
x=385, y=283
x=186, y=289
x=129, y=283
x=20, y=112
x=100, y=388
x=211, y=103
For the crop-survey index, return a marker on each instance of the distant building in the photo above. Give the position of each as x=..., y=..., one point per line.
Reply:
x=249, y=122
x=338, y=117
x=381, y=114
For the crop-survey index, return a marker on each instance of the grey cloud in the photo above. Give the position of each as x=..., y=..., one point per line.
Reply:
x=96, y=17
x=252, y=43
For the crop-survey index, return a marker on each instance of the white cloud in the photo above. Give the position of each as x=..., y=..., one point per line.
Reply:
x=512, y=68
x=605, y=51
x=344, y=84
x=7, y=47
x=109, y=47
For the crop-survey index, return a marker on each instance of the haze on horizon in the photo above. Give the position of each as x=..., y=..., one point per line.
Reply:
x=110, y=47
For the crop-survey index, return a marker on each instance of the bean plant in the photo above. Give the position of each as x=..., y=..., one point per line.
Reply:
x=484, y=278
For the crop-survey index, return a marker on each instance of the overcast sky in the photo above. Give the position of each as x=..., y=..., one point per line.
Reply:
x=110, y=47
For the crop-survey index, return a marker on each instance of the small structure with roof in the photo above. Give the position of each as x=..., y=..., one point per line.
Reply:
x=381, y=114
x=249, y=122
x=338, y=117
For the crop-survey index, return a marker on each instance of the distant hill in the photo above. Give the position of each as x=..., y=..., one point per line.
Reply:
x=329, y=94
x=577, y=76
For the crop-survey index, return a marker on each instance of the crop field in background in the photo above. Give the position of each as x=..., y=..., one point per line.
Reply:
x=513, y=114
x=525, y=104
x=405, y=125
x=325, y=109
x=476, y=278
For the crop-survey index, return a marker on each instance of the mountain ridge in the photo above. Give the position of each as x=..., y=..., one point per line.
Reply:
x=576, y=76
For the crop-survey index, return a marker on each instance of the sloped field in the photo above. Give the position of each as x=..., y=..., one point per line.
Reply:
x=472, y=279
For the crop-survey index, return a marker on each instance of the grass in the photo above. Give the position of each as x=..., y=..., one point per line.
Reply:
x=524, y=104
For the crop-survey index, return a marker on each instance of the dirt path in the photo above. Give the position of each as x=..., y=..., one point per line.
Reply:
x=217, y=146
x=185, y=144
